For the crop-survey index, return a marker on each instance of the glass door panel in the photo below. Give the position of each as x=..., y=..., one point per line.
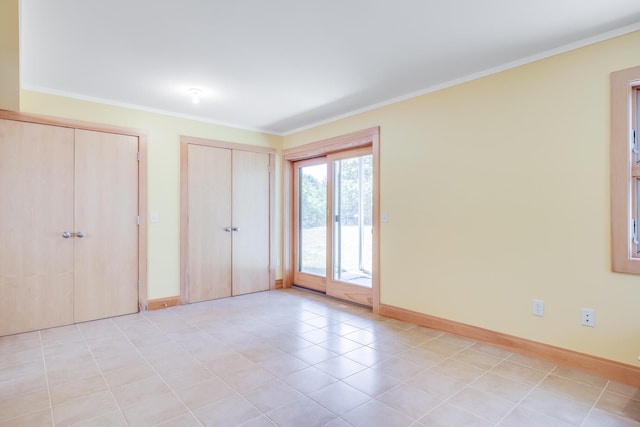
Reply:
x=313, y=220
x=310, y=223
x=352, y=230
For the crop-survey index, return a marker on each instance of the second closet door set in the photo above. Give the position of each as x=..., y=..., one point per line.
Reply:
x=226, y=221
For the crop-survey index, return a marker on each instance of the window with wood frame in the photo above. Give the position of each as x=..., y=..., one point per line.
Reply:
x=625, y=171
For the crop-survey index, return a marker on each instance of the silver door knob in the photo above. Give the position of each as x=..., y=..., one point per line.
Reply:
x=80, y=234
x=66, y=234
x=235, y=228
x=227, y=229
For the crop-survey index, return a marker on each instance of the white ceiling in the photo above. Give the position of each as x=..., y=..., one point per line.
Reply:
x=283, y=65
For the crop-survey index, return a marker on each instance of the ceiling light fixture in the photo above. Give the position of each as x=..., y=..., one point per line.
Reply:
x=195, y=95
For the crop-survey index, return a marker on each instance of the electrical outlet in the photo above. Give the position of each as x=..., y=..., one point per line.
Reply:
x=538, y=307
x=588, y=317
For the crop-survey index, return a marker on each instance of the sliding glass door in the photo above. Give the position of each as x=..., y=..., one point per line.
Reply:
x=333, y=238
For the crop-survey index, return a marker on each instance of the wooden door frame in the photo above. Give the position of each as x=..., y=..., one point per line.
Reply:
x=184, y=205
x=337, y=288
x=318, y=283
x=142, y=179
x=361, y=138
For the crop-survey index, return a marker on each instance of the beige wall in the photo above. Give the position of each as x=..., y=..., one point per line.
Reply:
x=163, y=174
x=497, y=193
x=9, y=55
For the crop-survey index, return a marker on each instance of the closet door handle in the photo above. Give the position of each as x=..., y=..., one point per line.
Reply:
x=79, y=234
x=227, y=229
x=235, y=228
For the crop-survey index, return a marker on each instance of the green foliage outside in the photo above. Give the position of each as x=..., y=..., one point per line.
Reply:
x=313, y=211
x=314, y=194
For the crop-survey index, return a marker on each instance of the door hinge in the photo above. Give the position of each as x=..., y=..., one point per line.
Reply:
x=269, y=168
x=138, y=220
x=138, y=284
x=138, y=156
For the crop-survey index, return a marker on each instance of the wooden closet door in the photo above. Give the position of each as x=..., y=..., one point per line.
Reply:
x=251, y=219
x=36, y=207
x=209, y=222
x=106, y=210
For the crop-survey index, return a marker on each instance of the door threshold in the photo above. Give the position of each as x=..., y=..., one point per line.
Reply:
x=322, y=294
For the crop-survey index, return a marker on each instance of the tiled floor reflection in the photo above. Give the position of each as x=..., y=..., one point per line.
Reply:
x=288, y=358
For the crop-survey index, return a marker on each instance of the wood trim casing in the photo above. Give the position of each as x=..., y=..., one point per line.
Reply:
x=144, y=224
x=184, y=225
x=272, y=221
x=69, y=123
x=142, y=179
x=331, y=145
x=184, y=205
x=226, y=144
x=594, y=365
x=621, y=108
x=361, y=138
x=287, y=224
x=160, y=303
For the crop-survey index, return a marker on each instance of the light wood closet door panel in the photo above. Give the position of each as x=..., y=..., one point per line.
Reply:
x=209, y=200
x=36, y=202
x=251, y=217
x=106, y=209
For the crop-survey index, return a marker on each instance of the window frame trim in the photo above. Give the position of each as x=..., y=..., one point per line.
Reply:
x=624, y=87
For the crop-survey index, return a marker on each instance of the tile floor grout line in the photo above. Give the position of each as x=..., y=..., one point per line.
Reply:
x=581, y=382
x=306, y=395
x=466, y=386
x=154, y=369
x=530, y=367
x=380, y=402
x=595, y=403
x=205, y=367
x=535, y=387
x=450, y=357
x=622, y=394
x=223, y=380
x=32, y=392
x=405, y=382
x=84, y=339
x=546, y=374
x=46, y=378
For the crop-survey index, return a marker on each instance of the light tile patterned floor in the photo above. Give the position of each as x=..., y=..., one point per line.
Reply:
x=288, y=358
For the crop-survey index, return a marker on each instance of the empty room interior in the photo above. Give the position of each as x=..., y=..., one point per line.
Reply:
x=337, y=213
